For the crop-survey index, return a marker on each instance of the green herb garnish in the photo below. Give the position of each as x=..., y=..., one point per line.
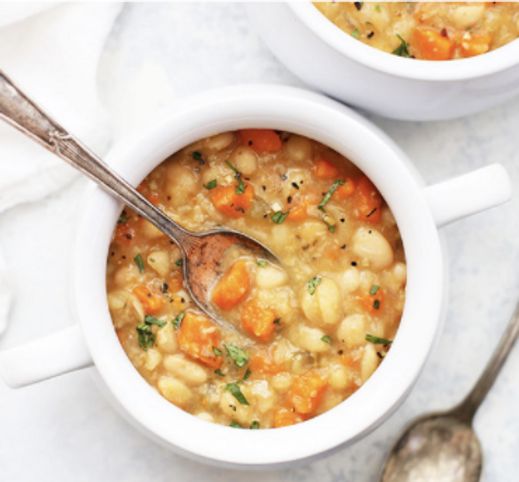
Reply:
x=277, y=321
x=329, y=193
x=376, y=304
x=139, y=262
x=217, y=351
x=279, y=216
x=234, y=388
x=151, y=320
x=355, y=33
x=145, y=336
x=377, y=340
x=178, y=320
x=240, y=187
x=234, y=424
x=211, y=184
x=219, y=372
x=239, y=356
x=197, y=156
x=373, y=290
x=254, y=425
x=403, y=49
x=377, y=8
x=179, y=262
x=261, y=263
x=313, y=283
x=123, y=218
x=247, y=374
x=327, y=339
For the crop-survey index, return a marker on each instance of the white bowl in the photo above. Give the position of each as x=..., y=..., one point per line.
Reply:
x=418, y=210
x=331, y=61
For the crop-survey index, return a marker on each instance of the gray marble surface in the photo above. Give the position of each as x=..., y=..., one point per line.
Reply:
x=64, y=430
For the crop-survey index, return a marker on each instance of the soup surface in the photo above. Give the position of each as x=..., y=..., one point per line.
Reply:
x=309, y=333
x=429, y=31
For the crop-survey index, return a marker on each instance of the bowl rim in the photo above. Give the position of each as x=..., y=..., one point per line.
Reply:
x=483, y=65
x=309, y=114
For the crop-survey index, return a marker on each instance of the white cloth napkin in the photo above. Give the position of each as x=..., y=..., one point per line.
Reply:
x=52, y=53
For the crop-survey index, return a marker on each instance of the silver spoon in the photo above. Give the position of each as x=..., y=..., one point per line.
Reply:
x=201, y=252
x=443, y=447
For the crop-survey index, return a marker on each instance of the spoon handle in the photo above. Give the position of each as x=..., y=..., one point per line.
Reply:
x=24, y=114
x=468, y=407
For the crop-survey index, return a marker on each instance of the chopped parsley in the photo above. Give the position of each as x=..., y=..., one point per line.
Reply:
x=234, y=424
x=197, y=156
x=123, y=218
x=377, y=340
x=261, y=263
x=403, y=49
x=238, y=355
x=247, y=374
x=145, y=336
x=376, y=304
x=151, y=320
x=178, y=320
x=277, y=321
x=355, y=33
x=179, y=262
x=313, y=283
x=279, y=217
x=327, y=339
x=373, y=290
x=329, y=193
x=240, y=187
x=139, y=262
x=217, y=351
x=211, y=184
x=236, y=392
x=254, y=425
x=219, y=372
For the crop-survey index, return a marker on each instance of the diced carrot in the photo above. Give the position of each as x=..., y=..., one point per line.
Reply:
x=152, y=197
x=261, y=140
x=297, y=213
x=151, y=302
x=306, y=393
x=431, y=45
x=258, y=321
x=284, y=417
x=234, y=205
x=175, y=282
x=346, y=190
x=124, y=233
x=232, y=287
x=197, y=337
x=348, y=360
x=368, y=201
x=324, y=169
x=374, y=303
x=474, y=44
x=262, y=362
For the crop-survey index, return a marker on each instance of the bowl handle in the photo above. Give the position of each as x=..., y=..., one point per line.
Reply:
x=44, y=358
x=468, y=194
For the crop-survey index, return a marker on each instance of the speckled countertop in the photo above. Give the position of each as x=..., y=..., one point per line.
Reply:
x=64, y=430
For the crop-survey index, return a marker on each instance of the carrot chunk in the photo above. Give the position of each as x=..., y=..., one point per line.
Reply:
x=197, y=337
x=258, y=321
x=262, y=362
x=306, y=393
x=324, y=169
x=368, y=201
x=431, y=45
x=345, y=190
x=284, y=417
x=297, y=213
x=231, y=203
x=373, y=301
x=232, y=287
x=151, y=302
x=261, y=140
x=474, y=44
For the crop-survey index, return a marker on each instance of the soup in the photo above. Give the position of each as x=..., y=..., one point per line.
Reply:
x=429, y=31
x=309, y=332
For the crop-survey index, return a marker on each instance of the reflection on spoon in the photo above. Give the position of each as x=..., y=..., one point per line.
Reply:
x=443, y=447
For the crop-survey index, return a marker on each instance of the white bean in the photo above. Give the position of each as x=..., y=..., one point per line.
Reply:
x=189, y=372
x=245, y=159
x=219, y=142
x=234, y=409
x=282, y=381
x=323, y=307
x=298, y=148
x=150, y=231
x=352, y=330
x=466, y=16
x=370, y=245
x=160, y=262
x=350, y=280
x=368, y=363
x=400, y=273
x=207, y=417
x=174, y=390
x=270, y=277
x=126, y=275
x=166, y=339
x=340, y=377
x=309, y=338
x=182, y=184
x=153, y=358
